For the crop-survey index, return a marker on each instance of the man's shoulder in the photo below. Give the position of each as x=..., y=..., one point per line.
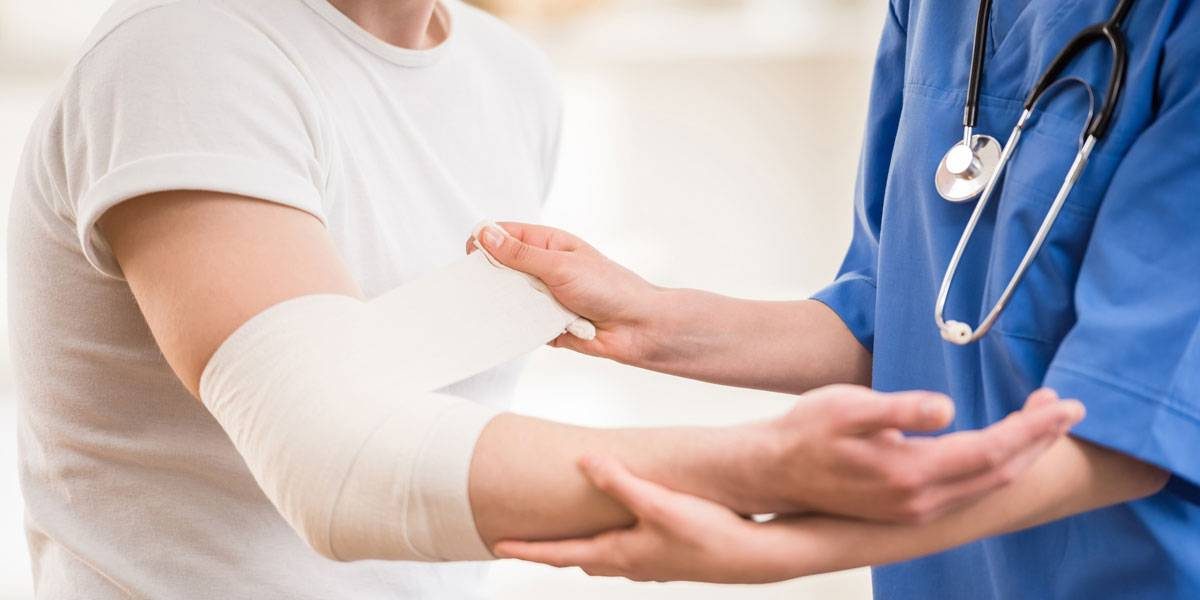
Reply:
x=182, y=25
x=139, y=46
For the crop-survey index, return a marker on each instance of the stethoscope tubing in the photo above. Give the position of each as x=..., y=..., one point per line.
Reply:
x=975, y=82
x=1097, y=124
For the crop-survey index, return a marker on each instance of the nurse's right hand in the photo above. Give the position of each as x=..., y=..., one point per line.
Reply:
x=788, y=346
x=843, y=450
x=616, y=300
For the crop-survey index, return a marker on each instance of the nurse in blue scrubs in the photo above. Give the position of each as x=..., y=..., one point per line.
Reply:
x=1108, y=313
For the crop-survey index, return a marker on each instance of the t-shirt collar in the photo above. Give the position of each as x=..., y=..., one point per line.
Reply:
x=406, y=57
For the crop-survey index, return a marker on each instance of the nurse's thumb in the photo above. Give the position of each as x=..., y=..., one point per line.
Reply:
x=863, y=411
x=516, y=254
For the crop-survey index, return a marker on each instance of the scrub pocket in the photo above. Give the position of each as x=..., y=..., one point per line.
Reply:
x=1042, y=307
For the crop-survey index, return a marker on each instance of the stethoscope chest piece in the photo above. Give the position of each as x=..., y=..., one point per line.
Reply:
x=964, y=172
x=973, y=165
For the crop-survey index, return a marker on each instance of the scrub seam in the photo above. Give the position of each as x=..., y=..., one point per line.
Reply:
x=896, y=17
x=1051, y=22
x=1155, y=398
x=1057, y=121
x=1023, y=336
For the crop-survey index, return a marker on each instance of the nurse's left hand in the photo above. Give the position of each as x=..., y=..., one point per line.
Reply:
x=677, y=537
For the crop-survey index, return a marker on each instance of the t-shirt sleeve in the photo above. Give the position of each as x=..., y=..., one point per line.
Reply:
x=1133, y=355
x=186, y=97
x=852, y=294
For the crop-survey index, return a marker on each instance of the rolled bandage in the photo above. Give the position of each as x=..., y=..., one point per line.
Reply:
x=331, y=402
x=580, y=327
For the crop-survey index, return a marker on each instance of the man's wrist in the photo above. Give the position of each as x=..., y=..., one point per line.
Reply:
x=759, y=464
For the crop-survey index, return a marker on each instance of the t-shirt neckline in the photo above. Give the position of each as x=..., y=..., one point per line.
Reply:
x=405, y=57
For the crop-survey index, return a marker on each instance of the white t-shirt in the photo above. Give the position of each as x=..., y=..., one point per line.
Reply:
x=131, y=488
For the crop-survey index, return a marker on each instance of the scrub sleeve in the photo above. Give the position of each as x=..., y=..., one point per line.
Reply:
x=852, y=295
x=1133, y=356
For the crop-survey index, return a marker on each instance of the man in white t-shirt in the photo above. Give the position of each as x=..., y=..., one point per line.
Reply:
x=205, y=160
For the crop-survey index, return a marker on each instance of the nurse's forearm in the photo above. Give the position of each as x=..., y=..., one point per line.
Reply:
x=789, y=347
x=1071, y=478
x=524, y=483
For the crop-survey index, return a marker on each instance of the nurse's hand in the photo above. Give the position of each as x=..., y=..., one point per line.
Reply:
x=677, y=537
x=788, y=346
x=841, y=451
x=616, y=300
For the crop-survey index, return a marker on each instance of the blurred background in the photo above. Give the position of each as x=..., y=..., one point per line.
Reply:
x=708, y=144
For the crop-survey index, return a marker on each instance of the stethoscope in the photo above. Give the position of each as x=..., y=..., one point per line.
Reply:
x=973, y=166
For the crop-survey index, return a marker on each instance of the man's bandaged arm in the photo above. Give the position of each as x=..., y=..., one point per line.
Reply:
x=330, y=398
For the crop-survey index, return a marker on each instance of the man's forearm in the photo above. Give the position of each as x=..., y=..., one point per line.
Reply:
x=1071, y=478
x=525, y=483
x=789, y=347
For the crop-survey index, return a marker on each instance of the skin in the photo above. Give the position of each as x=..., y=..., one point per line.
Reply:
x=680, y=536
x=404, y=23
x=789, y=347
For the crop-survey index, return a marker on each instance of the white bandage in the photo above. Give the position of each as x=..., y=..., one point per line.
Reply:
x=580, y=327
x=330, y=401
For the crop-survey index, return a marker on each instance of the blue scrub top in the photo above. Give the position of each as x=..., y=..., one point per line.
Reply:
x=1109, y=313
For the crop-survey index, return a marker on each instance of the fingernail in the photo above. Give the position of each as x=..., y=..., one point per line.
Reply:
x=1078, y=411
x=934, y=408
x=491, y=237
x=1075, y=413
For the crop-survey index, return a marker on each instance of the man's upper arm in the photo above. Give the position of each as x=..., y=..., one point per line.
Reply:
x=202, y=263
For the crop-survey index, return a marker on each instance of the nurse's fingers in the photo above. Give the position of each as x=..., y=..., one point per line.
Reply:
x=583, y=552
x=979, y=452
x=1041, y=397
x=1022, y=435
x=864, y=411
x=541, y=236
x=538, y=236
x=516, y=254
x=949, y=497
x=592, y=347
x=645, y=499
